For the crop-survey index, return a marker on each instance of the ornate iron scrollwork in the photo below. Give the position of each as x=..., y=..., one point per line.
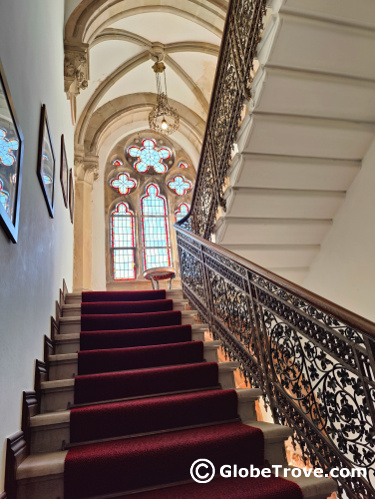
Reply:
x=316, y=371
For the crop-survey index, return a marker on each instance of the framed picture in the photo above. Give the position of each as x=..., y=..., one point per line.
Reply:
x=11, y=156
x=71, y=195
x=64, y=172
x=46, y=161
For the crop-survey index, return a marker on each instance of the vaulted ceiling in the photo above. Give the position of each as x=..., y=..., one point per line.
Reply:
x=122, y=39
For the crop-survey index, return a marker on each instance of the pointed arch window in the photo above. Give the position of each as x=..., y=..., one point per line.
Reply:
x=123, y=242
x=156, y=246
x=181, y=212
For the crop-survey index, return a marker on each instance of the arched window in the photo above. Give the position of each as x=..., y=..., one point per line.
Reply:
x=182, y=211
x=156, y=247
x=123, y=242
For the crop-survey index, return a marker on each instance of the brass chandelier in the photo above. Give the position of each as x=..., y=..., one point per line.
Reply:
x=163, y=118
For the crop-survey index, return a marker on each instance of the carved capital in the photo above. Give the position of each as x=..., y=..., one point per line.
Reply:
x=76, y=69
x=86, y=168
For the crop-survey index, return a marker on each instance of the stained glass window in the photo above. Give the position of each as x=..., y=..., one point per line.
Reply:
x=123, y=242
x=183, y=165
x=117, y=162
x=123, y=183
x=180, y=185
x=4, y=197
x=155, y=231
x=181, y=212
x=149, y=156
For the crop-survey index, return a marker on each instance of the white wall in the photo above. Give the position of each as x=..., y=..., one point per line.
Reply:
x=344, y=270
x=31, y=271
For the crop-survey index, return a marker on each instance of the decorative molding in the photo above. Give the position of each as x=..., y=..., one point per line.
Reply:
x=86, y=168
x=16, y=452
x=76, y=69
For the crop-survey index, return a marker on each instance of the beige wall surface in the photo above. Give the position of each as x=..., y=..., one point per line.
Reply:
x=344, y=270
x=31, y=271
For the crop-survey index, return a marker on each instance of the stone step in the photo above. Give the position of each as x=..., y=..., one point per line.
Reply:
x=171, y=294
x=69, y=343
x=70, y=325
x=65, y=365
x=51, y=431
x=58, y=395
x=74, y=309
x=40, y=476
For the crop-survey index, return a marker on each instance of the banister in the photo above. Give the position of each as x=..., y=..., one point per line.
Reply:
x=312, y=359
x=350, y=318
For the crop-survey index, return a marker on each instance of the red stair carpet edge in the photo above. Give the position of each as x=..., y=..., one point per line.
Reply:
x=121, y=359
x=125, y=465
x=130, y=321
x=90, y=296
x=126, y=307
x=153, y=414
x=95, y=340
x=109, y=386
x=227, y=488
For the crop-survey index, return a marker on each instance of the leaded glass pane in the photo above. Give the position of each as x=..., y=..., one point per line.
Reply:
x=123, y=242
x=155, y=230
x=182, y=211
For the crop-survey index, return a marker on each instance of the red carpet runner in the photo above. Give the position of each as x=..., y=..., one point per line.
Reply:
x=145, y=390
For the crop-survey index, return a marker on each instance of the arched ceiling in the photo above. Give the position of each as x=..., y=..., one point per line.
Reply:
x=122, y=39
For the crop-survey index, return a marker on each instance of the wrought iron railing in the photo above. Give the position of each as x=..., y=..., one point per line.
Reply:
x=313, y=360
x=232, y=86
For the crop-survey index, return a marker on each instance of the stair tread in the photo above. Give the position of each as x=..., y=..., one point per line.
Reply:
x=208, y=345
x=60, y=417
x=64, y=337
x=60, y=383
x=77, y=318
x=53, y=462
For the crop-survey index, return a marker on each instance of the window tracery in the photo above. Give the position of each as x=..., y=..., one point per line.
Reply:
x=149, y=156
x=180, y=185
x=123, y=183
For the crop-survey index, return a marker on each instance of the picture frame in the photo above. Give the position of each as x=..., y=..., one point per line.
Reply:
x=64, y=173
x=11, y=162
x=71, y=195
x=46, y=161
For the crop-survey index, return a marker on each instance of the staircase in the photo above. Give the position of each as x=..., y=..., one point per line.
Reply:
x=309, y=125
x=167, y=403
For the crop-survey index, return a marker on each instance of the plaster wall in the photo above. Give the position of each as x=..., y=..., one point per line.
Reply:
x=31, y=271
x=344, y=269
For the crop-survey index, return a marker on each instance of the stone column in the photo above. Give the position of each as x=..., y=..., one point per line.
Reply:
x=86, y=172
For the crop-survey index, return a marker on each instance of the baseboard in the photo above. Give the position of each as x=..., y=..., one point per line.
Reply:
x=49, y=349
x=54, y=329
x=58, y=312
x=30, y=407
x=65, y=290
x=17, y=452
x=41, y=375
